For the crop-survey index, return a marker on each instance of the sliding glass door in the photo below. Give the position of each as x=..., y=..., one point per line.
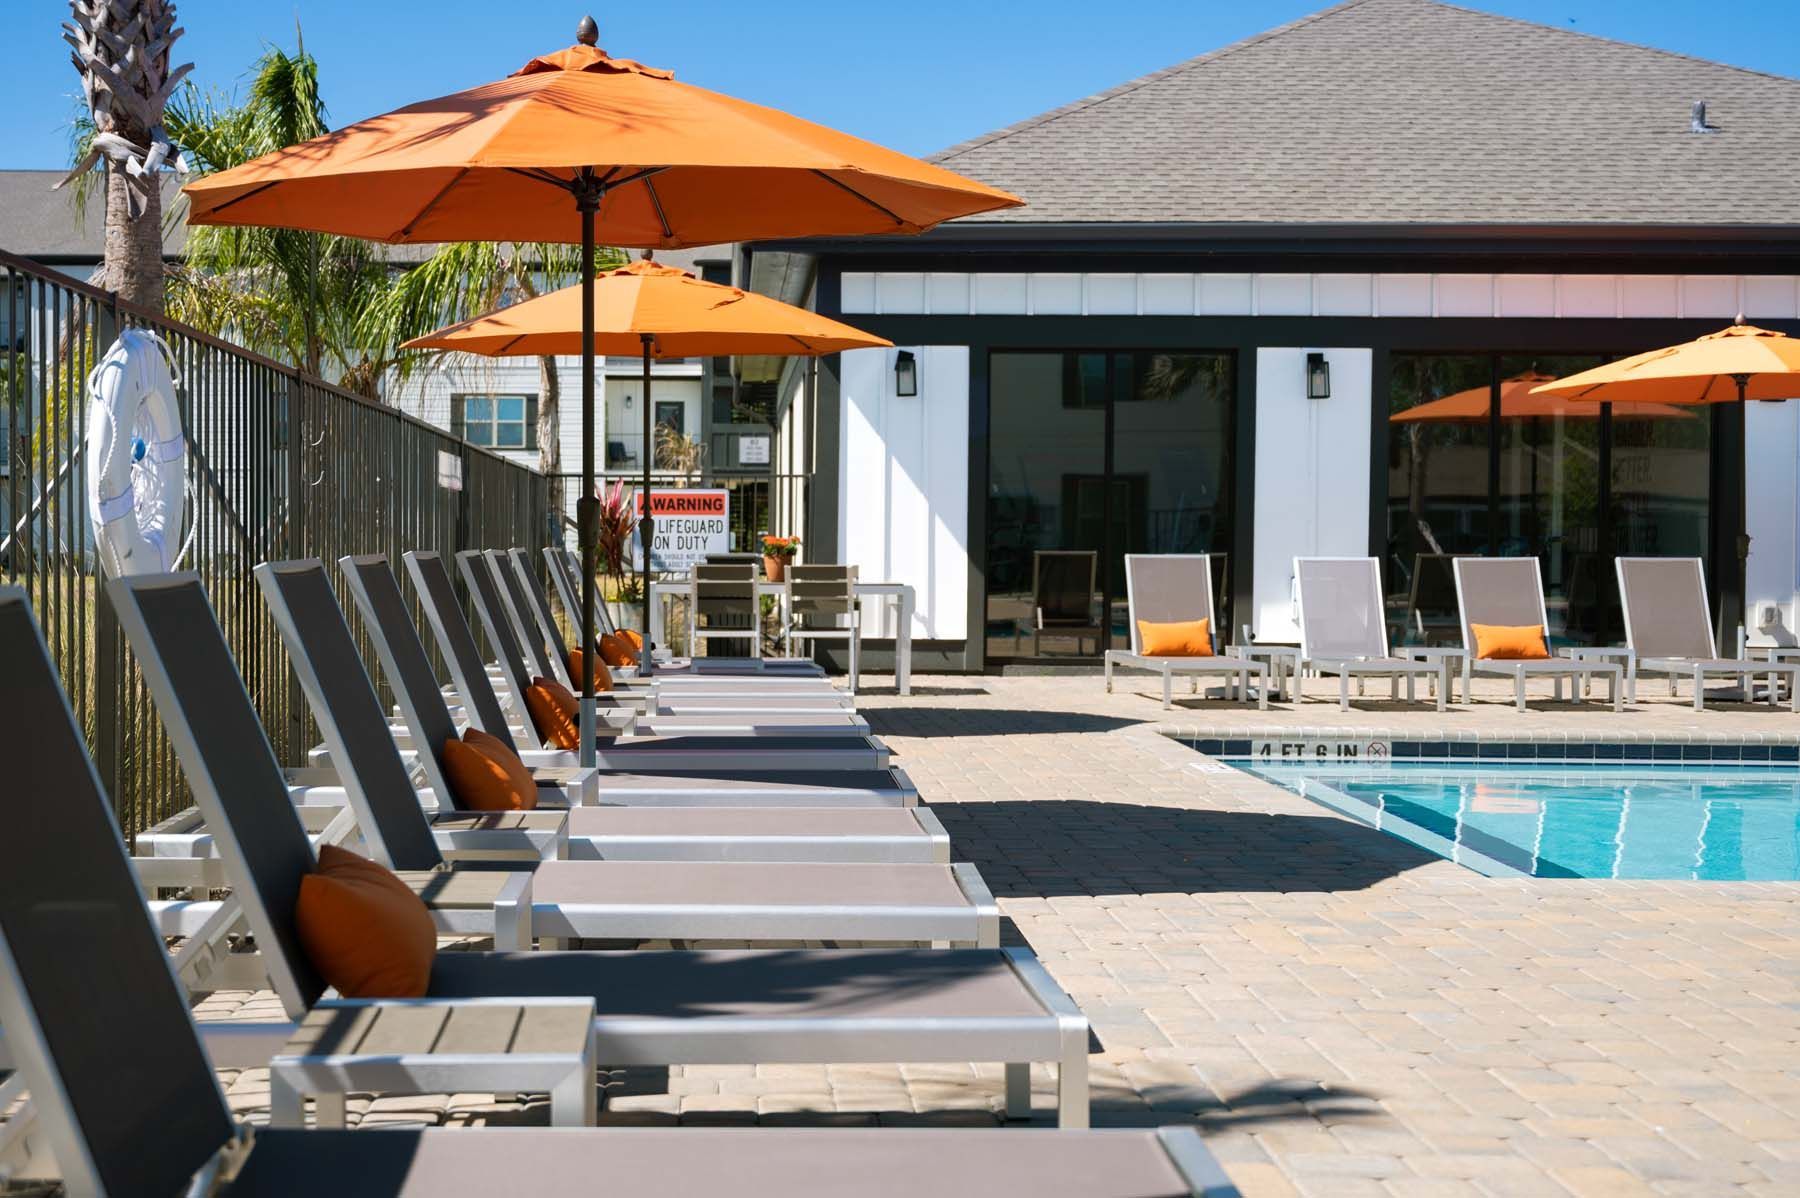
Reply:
x=1092, y=456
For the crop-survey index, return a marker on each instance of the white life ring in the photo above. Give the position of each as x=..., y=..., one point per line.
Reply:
x=136, y=457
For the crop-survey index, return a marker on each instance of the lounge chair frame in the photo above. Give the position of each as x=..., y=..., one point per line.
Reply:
x=1476, y=581
x=1377, y=661
x=1238, y=671
x=1683, y=573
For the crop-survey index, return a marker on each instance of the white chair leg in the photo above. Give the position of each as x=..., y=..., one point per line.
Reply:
x=1168, y=689
x=1519, y=688
x=1343, y=692
x=1699, y=689
x=1072, y=1088
x=1018, y=1090
x=1618, y=692
x=1108, y=668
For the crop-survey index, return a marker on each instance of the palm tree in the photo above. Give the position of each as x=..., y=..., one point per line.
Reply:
x=121, y=50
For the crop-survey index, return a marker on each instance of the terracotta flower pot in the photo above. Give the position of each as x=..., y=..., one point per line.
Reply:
x=774, y=568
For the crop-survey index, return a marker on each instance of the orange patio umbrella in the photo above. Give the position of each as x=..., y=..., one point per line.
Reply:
x=1733, y=365
x=578, y=146
x=1517, y=402
x=659, y=312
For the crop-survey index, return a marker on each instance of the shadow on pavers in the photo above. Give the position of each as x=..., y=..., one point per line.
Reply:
x=1050, y=848
x=939, y=722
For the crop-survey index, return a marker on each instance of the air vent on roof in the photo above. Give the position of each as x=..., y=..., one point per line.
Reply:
x=1697, y=124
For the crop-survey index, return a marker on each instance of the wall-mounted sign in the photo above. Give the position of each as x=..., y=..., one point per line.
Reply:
x=753, y=451
x=449, y=471
x=688, y=525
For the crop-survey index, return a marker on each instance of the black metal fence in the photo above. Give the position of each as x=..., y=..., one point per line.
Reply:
x=280, y=465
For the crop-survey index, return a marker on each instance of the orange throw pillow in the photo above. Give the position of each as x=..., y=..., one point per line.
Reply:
x=485, y=775
x=1188, y=638
x=554, y=712
x=1504, y=642
x=603, y=680
x=615, y=650
x=367, y=934
x=635, y=637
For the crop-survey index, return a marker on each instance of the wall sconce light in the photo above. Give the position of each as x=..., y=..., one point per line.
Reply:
x=906, y=374
x=1318, y=377
x=628, y=403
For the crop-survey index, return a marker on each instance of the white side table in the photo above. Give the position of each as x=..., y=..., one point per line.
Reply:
x=432, y=1046
x=1283, y=661
x=1619, y=654
x=1449, y=662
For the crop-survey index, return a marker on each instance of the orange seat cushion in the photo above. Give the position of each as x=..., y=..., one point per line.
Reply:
x=555, y=713
x=603, y=679
x=615, y=650
x=365, y=931
x=1504, y=642
x=1187, y=638
x=484, y=774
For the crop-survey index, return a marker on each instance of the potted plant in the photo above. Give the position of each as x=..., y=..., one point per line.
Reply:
x=620, y=589
x=777, y=553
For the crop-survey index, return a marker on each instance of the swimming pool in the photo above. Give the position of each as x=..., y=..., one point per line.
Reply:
x=1713, y=823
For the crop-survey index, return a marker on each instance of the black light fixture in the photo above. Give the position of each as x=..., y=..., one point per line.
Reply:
x=1318, y=377
x=906, y=374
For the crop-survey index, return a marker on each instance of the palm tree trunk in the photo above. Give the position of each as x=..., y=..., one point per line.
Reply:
x=133, y=265
x=549, y=434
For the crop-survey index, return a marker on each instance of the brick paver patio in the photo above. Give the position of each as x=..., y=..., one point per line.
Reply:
x=1339, y=1012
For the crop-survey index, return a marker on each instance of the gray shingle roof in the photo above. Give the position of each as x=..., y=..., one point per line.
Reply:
x=37, y=221
x=1408, y=111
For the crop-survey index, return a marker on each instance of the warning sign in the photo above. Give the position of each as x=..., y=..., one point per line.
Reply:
x=688, y=525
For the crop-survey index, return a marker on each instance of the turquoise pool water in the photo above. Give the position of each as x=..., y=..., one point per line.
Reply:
x=1716, y=823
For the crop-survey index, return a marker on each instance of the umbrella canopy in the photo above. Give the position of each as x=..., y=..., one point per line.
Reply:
x=659, y=310
x=676, y=165
x=578, y=146
x=1517, y=402
x=1736, y=363
x=1733, y=365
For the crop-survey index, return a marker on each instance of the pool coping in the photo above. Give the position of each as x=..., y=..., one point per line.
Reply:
x=1328, y=742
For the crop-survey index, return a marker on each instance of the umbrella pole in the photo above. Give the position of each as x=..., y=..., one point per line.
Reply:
x=645, y=524
x=1743, y=514
x=587, y=201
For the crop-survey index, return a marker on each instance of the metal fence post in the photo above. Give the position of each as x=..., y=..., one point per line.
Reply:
x=107, y=658
x=296, y=487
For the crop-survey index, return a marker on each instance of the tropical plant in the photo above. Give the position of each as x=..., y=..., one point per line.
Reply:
x=121, y=50
x=618, y=524
x=678, y=452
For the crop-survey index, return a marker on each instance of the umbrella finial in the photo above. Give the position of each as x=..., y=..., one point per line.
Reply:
x=649, y=255
x=1739, y=319
x=587, y=33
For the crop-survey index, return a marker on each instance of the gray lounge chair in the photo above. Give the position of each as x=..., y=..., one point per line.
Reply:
x=851, y=833
x=1343, y=628
x=1509, y=592
x=483, y=575
x=656, y=1008
x=667, y=754
x=124, y=1099
x=685, y=900
x=1166, y=588
x=1669, y=630
x=676, y=700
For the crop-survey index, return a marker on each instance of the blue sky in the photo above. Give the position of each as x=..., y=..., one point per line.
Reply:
x=948, y=71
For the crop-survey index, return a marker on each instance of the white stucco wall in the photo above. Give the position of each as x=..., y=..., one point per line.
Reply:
x=1312, y=474
x=903, y=497
x=1772, y=447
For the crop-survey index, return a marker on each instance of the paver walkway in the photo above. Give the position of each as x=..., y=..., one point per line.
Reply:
x=1339, y=1012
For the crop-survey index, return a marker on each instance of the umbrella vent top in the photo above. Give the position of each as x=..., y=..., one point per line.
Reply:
x=1740, y=329
x=587, y=56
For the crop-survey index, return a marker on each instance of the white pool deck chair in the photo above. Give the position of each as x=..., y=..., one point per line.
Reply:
x=1165, y=588
x=852, y=831
x=1669, y=630
x=750, y=901
x=72, y=1042
x=736, y=749
x=1343, y=628
x=1509, y=592
x=655, y=1008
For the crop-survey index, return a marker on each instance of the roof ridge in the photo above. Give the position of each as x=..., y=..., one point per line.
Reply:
x=1131, y=85
x=1613, y=41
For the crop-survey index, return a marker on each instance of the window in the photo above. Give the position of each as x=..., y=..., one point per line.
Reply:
x=495, y=421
